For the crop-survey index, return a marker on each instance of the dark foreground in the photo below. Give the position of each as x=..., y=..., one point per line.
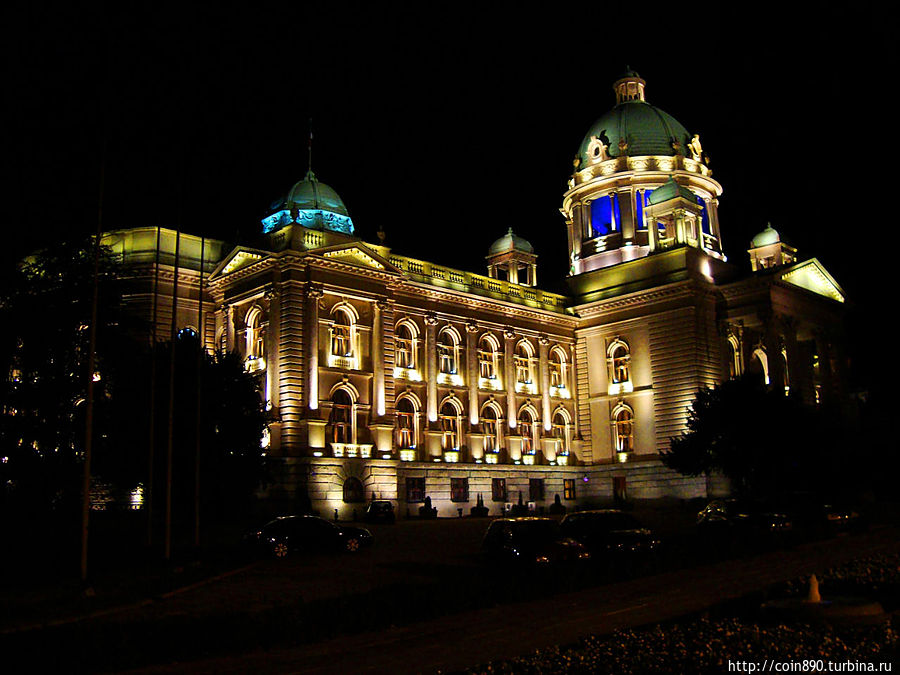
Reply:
x=419, y=601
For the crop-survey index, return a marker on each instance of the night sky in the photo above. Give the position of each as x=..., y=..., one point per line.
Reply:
x=444, y=127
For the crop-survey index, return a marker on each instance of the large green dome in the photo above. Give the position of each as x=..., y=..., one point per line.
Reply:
x=645, y=129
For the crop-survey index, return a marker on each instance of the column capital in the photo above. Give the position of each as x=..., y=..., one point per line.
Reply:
x=509, y=333
x=543, y=341
x=382, y=303
x=272, y=292
x=431, y=319
x=314, y=291
x=471, y=327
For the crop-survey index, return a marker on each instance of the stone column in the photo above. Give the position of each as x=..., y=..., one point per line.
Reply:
x=378, y=307
x=680, y=233
x=772, y=342
x=797, y=375
x=229, y=328
x=509, y=374
x=826, y=376
x=714, y=221
x=652, y=231
x=472, y=370
x=313, y=294
x=544, y=374
x=431, y=367
x=273, y=339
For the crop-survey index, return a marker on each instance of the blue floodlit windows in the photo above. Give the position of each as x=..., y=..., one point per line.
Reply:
x=704, y=216
x=605, y=215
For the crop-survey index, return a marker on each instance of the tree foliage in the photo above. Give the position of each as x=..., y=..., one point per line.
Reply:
x=765, y=443
x=45, y=307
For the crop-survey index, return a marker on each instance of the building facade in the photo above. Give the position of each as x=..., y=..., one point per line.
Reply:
x=391, y=377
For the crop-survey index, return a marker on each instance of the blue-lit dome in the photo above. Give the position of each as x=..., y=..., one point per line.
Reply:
x=313, y=204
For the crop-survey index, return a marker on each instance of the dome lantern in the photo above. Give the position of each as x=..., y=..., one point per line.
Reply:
x=629, y=87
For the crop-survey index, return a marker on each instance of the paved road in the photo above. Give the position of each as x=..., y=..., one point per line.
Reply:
x=455, y=642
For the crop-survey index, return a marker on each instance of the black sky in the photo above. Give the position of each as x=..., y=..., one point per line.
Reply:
x=444, y=126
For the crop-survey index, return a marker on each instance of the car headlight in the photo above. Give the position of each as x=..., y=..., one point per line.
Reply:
x=584, y=555
x=542, y=559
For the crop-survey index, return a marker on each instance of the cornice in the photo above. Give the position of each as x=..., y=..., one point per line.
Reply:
x=680, y=289
x=482, y=303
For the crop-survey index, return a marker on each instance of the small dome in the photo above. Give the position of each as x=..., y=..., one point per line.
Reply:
x=510, y=242
x=766, y=237
x=669, y=190
x=312, y=204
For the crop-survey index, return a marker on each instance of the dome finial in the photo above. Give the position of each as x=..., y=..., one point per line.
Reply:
x=309, y=160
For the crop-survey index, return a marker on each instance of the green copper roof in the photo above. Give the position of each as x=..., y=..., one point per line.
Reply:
x=510, y=242
x=669, y=190
x=645, y=128
x=766, y=237
x=311, y=193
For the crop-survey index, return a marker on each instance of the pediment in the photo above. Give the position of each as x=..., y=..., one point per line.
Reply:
x=812, y=276
x=239, y=258
x=358, y=255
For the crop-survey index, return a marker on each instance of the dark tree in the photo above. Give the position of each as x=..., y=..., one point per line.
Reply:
x=765, y=443
x=46, y=308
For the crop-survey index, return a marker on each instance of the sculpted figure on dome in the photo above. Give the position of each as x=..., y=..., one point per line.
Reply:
x=696, y=148
x=597, y=149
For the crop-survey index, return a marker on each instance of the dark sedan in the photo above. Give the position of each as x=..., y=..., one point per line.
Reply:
x=609, y=534
x=530, y=541
x=743, y=516
x=288, y=534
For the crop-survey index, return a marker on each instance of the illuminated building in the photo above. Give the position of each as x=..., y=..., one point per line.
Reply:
x=392, y=376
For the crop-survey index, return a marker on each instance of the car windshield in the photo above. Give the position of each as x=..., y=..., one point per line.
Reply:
x=535, y=532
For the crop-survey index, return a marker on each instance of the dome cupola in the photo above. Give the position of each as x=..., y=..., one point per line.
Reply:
x=641, y=184
x=511, y=254
x=767, y=250
x=312, y=204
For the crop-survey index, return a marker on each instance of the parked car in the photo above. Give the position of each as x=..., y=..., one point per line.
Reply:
x=610, y=534
x=530, y=541
x=742, y=516
x=379, y=511
x=814, y=515
x=288, y=534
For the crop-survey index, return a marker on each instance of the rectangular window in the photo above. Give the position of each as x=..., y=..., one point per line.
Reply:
x=498, y=490
x=536, y=490
x=459, y=489
x=415, y=489
x=568, y=488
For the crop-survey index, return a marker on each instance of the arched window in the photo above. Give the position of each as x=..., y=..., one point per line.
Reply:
x=354, y=493
x=255, y=343
x=561, y=429
x=558, y=367
x=342, y=332
x=759, y=365
x=406, y=423
x=449, y=419
x=490, y=424
x=623, y=428
x=619, y=356
x=405, y=346
x=447, y=348
x=524, y=363
x=487, y=357
x=733, y=347
x=341, y=419
x=526, y=430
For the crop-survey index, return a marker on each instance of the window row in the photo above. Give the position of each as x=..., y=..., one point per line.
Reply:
x=459, y=490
